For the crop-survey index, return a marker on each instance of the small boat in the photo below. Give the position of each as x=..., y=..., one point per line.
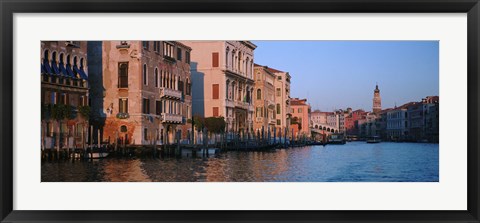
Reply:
x=98, y=155
x=373, y=139
x=337, y=138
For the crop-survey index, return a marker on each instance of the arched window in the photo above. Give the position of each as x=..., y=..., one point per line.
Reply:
x=67, y=61
x=54, y=63
x=145, y=80
x=233, y=60
x=46, y=61
x=82, y=64
x=188, y=91
x=61, y=64
x=69, y=67
x=75, y=61
x=239, y=66
x=259, y=94
x=227, y=87
x=75, y=66
x=246, y=67
x=46, y=56
x=123, y=75
x=226, y=57
x=166, y=78
x=181, y=85
x=156, y=77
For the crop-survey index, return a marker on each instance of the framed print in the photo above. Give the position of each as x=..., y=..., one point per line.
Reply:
x=200, y=111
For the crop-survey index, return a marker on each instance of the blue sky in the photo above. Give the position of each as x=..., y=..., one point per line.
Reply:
x=341, y=74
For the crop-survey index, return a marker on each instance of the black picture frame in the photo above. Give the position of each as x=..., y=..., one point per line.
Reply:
x=9, y=7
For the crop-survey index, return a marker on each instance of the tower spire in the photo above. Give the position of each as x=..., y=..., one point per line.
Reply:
x=377, y=101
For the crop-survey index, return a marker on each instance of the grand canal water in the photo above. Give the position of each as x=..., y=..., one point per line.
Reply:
x=352, y=162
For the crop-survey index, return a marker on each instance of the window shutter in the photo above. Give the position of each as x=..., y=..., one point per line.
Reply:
x=215, y=59
x=215, y=91
x=215, y=111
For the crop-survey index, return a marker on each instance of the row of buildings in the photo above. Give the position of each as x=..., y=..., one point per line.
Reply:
x=413, y=121
x=146, y=92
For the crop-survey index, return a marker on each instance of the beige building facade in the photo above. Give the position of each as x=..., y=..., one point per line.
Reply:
x=146, y=97
x=282, y=99
x=264, y=99
x=222, y=72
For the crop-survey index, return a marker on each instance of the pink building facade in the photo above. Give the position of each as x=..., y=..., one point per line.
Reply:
x=223, y=75
x=300, y=117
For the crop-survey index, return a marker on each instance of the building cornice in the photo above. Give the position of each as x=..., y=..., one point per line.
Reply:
x=249, y=44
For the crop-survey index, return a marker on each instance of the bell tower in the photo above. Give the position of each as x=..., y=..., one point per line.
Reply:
x=377, y=101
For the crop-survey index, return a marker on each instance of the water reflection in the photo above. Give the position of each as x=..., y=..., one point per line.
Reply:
x=353, y=162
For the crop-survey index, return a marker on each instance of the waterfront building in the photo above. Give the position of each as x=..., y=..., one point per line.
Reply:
x=381, y=122
x=327, y=122
x=416, y=116
x=423, y=119
x=368, y=125
x=141, y=91
x=223, y=84
x=432, y=119
x=64, y=94
x=333, y=120
x=342, y=114
x=300, y=121
x=264, y=99
x=351, y=121
x=397, y=122
x=318, y=117
x=377, y=100
x=282, y=99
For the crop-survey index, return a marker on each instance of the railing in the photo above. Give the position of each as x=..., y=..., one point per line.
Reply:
x=172, y=118
x=272, y=121
x=122, y=115
x=170, y=93
x=229, y=103
x=259, y=119
x=242, y=105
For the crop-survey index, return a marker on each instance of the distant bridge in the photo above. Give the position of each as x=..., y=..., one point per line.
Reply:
x=323, y=128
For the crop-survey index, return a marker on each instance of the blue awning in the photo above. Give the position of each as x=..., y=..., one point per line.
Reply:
x=42, y=70
x=70, y=72
x=80, y=72
x=47, y=68
x=55, y=68
x=63, y=71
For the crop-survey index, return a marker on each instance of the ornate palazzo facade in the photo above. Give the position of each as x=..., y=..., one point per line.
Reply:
x=224, y=84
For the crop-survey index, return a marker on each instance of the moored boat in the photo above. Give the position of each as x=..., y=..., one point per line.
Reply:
x=337, y=138
x=374, y=139
x=98, y=155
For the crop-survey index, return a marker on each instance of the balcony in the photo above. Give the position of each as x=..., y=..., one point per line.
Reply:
x=229, y=103
x=169, y=58
x=259, y=119
x=122, y=115
x=242, y=105
x=272, y=121
x=170, y=93
x=172, y=118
